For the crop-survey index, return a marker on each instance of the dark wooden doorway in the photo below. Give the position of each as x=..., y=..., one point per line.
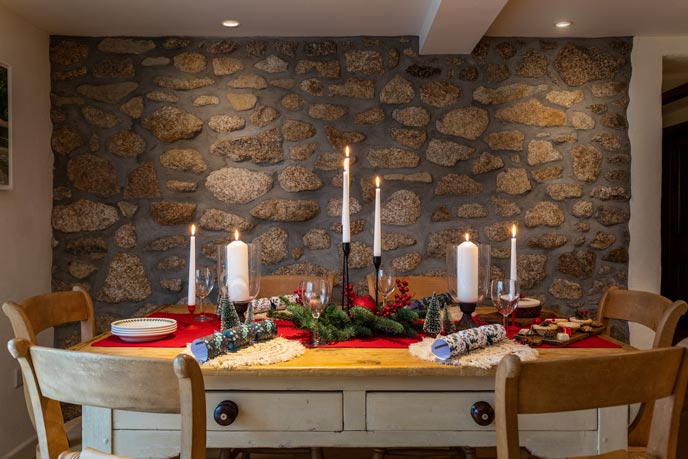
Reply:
x=675, y=218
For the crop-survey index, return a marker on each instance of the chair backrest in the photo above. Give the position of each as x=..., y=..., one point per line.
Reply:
x=659, y=375
x=37, y=313
x=124, y=383
x=277, y=285
x=650, y=309
x=419, y=286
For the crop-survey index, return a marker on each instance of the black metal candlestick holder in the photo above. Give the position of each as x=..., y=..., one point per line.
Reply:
x=346, y=249
x=466, y=321
x=376, y=262
x=241, y=309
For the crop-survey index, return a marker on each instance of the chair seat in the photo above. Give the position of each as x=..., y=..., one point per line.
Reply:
x=619, y=454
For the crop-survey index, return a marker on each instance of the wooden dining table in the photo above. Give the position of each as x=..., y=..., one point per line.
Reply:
x=354, y=397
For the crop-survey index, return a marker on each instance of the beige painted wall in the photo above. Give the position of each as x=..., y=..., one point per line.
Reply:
x=645, y=134
x=25, y=233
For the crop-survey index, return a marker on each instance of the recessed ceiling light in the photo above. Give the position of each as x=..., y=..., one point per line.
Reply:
x=230, y=23
x=562, y=24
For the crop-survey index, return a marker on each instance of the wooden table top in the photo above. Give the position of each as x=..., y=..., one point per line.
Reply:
x=343, y=361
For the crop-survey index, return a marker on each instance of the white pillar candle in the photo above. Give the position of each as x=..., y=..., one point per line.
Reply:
x=237, y=269
x=512, y=271
x=467, y=272
x=191, y=299
x=377, y=235
x=346, y=228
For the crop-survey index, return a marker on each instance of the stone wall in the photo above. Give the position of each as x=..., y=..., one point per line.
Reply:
x=151, y=135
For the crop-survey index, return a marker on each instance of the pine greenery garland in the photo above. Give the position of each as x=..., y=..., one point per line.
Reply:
x=335, y=325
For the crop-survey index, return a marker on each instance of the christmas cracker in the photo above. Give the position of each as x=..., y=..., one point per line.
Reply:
x=467, y=340
x=232, y=339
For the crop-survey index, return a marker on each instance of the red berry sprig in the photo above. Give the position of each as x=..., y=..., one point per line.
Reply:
x=350, y=293
x=401, y=300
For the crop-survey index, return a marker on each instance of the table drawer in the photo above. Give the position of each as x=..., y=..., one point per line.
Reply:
x=442, y=411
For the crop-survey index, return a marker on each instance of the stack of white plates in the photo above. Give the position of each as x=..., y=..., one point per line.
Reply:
x=143, y=329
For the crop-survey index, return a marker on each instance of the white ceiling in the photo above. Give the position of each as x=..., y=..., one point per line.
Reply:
x=443, y=26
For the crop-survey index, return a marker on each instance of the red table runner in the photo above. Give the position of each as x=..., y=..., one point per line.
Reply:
x=188, y=330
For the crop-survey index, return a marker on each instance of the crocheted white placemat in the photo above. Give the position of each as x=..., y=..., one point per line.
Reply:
x=481, y=358
x=265, y=353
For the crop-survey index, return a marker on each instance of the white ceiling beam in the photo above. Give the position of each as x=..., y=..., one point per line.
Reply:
x=456, y=26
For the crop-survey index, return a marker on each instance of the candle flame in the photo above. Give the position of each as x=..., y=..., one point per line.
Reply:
x=193, y=229
x=377, y=182
x=513, y=230
x=236, y=235
x=467, y=237
x=346, y=150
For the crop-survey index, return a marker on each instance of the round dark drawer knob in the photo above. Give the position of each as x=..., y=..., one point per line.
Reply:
x=482, y=413
x=226, y=412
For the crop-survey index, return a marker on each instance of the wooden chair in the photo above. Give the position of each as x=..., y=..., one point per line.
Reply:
x=655, y=312
x=38, y=313
x=123, y=383
x=419, y=286
x=276, y=285
x=562, y=385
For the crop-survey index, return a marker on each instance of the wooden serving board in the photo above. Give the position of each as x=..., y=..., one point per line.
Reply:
x=536, y=340
x=522, y=322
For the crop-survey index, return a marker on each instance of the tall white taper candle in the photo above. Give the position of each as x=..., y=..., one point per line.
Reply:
x=346, y=228
x=512, y=271
x=377, y=234
x=191, y=299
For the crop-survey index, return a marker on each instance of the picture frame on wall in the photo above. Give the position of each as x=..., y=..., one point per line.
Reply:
x=5, y=127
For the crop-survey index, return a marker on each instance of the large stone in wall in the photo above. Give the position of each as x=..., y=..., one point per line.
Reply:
x=407, y=263
x=367, y=62
x=412, y=116
x=587, y=161
x=397, y=91
x=110, y=93
x=504, y=207
x=248, y=81
x=183, y=160
x=295, y=130
x=505, y=140
x=532, y=65
x=447, y=153
x=507, y=93
x=226, y=123
x=561, y=191
x=357, y=88
x=392, y=158
x=221, y=46
x=219, y=220
x=93, y=174
x=170, y=124
x=83, y=215
x=334, y=207
x=401, y=208
x=302, y=152
x=125, y=46
x=542, y=151
x=265, y=147
x=609, y=142
x=340, y=139
x=513, y=181
x=467, y=122
x=173, y=263
x=610, y=193
x=92, y=248
x=183, y=83
x=273, y=245
x=533, y=113
x=293, y=102
x=65, y=75
x=578, y=263
x=226, y=65
x=373, y=116
x=127, y=144
x=325, y=69
x=486, y=162
x=498, y=232
x=423, y=177
x=298, y=178
x=608, y=89
x=272, y=64
x=264, y=115
x=356, y=227
x=544, y=174
x=236, y=185
x=317, y=239
x=167, y=243
x=66, y=140
x=331, y=161
x=68, y=52
x=103, y=119
x=582, y=121
x=544, y=213
x=458, y=185
x=548, y=241
x=126, y=280
x=303, y=269
x=133, y=107
x=327, y=112
x=566, y=290
x=190, y=62
x=125, y=236
x=531, y=269
x=284, y=210
x=361, y=255
x=609, y=216
x=393, y=241
x=436, y=246
x=440, y=94
x=142, y=182
x=577, y=65
x=412, y=138
x=173, y=213
x=565, y=98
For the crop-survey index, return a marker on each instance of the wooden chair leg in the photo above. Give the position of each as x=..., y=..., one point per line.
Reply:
x=469, y=452
x=378, y=453
x=317, y=453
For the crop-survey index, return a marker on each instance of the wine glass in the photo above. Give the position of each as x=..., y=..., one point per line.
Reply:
x=505, y=295
x=315, y=295
x=205, y=281
x=386, y=282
